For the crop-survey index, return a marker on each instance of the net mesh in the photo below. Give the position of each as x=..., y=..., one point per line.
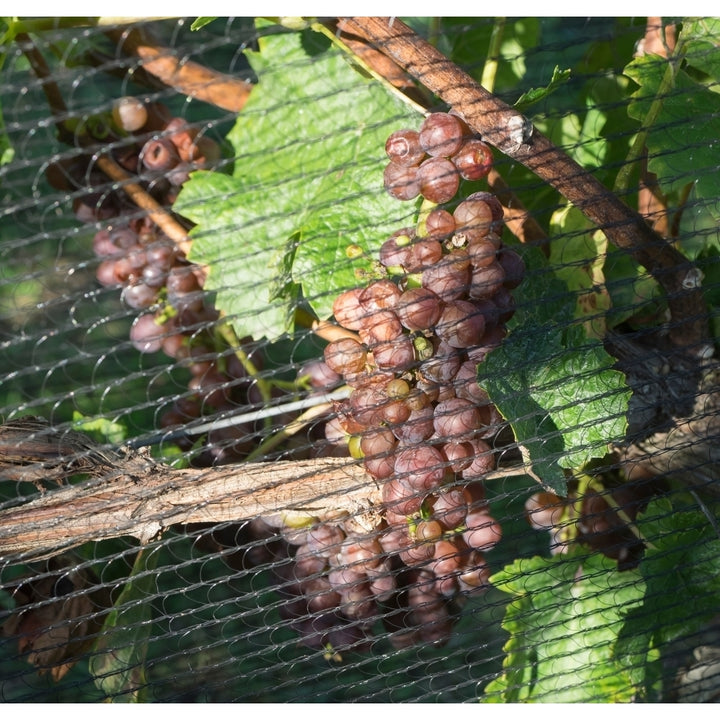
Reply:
x=197, y=505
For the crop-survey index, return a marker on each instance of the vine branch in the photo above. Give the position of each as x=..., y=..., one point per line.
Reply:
x=514, y=135
x=128, y=494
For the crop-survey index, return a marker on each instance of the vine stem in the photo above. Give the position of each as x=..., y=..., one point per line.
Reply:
x=128, y=494
x=514, y=135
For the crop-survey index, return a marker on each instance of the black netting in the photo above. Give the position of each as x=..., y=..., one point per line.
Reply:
x=359, y=360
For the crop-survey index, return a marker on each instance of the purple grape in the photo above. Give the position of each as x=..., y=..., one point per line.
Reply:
x=437, y=180
x=442, y=134
x=403, y=147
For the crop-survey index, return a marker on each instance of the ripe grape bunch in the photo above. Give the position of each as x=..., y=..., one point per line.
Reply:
x=157, y=151
x=408, y=346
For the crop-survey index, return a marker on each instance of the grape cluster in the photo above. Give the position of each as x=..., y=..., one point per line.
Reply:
x=152, y=272
x=598, y=519
x=408, y=347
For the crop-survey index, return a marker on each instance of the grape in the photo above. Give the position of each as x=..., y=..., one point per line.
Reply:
x=473, y=219
x=380, y=327
x=400, y=498
x=473, y=159
x=442, y=134
x=459, y=455
x=182, y=280
x=129, y=114
x=475, y=573
x=482, y=531
x=481, y=252
x=423, y=253
x=378, y=441
x=159, y=154
x=320, y=375
x=417, y=428
x=466, y=384
x=203, y=151
x=505, y=303
x=456, y=419
x=460, y=324
x=450, y=277
x=439, y=224
x=94, y=207
x=544, y=510
x=486, y=281
x=105, y=273
x=124, y=238
x=513, y=266
x=450, y=506
x=345, y=355
x=324, y=539
x=139, y=295
x=416, y=416
x=396, y=355
x=103, y=246
x=428, y=530
x=363, y=554
x=146, y=335
x=442, y=367
x=403, y=147
x=402, y=181
x=348, y=309
x=366, y=405
x=379, y=295
x=418, y=308
x=307, y=562
x=422, y=467
x=495, y=205
x=483, y=461
x=437, y=180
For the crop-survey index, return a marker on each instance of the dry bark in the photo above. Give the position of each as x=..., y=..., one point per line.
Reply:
x=130, y=494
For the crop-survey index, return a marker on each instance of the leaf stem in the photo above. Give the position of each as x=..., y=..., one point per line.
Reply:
x=491, y=61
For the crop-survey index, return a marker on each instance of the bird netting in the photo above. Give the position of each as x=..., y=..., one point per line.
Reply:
x=359, y=360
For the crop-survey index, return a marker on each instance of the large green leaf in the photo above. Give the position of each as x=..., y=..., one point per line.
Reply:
x=563, y=620
x=556, y=388
x=307, y=183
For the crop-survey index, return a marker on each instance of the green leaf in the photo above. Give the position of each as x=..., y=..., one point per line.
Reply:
x=577, y=254
x=681, y=571
x=307, y=183
x=682, y=119
x=564, y=617
x=556, y=388
x=118, y=663
x=201, y=22
x=559, y=77
x=701, y=47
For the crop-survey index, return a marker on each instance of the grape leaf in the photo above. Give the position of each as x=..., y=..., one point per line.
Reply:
x=682, y=139
x=307, y=182
x=556, y=387
x=683, y=554
x=702, y=50
x=563, y=620
x=118, y=663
